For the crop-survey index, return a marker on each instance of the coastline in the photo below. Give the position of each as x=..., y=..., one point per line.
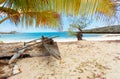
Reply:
x=12, y=32
x=105, y=37
x=90, y=58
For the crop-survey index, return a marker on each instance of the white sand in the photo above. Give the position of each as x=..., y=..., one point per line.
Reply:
x=80, y=60
x=91, y=59
x=105, y=37
x=100, y=38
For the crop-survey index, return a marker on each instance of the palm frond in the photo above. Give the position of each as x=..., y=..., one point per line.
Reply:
x=2, y=1
x=106, y=7
x=1, y=21
x=29, y=18
x=12, y=14
x=43, y=18
x=84, y=7
x=45, y=12
x=69, y=7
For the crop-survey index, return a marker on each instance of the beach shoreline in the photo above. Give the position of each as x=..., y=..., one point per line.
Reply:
x=80, y=59
x=85, y=59
x=104, y=37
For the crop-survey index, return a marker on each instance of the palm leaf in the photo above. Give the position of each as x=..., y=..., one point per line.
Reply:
x=29, y=18
x=2, y=1
x=48, y=18
x=45, y=12
x=12, y=14
x=43, y=18
x=106, y=7
x=72, y=7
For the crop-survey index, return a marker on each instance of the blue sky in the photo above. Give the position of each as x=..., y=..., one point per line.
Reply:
x=7, y=26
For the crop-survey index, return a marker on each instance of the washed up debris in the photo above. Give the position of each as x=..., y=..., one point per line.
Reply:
x=46, y=42
x=16, y=70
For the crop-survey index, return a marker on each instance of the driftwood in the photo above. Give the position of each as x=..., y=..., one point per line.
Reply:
x=52, y=50
x=46, y=42
x=20, y=51
x=15, y=50
x=17, y=55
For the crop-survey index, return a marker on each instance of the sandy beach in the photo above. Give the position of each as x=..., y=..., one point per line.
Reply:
x=59, y=39
x=86, y=59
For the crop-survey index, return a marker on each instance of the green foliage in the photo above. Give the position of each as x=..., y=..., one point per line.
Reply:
x=29, y=13
x=106, y=29
x=24, y=8
x=72, y=33
x=78, y=25
x=2, y=1
x=1, y=41
x=12, y=14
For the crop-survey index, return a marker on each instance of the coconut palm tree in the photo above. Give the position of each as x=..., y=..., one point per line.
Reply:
x=47, y=12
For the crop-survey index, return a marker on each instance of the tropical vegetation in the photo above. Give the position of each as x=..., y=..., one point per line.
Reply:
x=48, y=12
x=77, y=26
x=106, y=29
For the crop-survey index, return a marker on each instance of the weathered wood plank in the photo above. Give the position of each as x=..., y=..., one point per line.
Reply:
x=21, y=50
x=17, y=55
x=52, y=50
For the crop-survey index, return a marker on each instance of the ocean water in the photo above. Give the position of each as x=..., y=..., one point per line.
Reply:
x=32, y=36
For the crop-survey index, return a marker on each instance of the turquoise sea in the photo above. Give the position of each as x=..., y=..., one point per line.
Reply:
x=32, y=36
